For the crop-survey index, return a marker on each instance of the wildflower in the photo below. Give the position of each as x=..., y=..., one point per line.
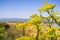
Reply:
x=33, y=16
x=21, y=25
x=55, y=28
x=47, y=7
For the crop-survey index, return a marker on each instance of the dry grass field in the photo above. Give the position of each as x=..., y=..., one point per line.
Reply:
x=31, y=31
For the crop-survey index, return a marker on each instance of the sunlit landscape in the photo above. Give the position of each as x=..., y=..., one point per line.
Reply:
x=30, y=20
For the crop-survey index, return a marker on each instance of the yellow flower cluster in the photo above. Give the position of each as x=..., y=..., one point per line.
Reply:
x=35, y=20
x=50, y=30
x=55, y=13
x=56, y=17
x=55, y=28
x=47, y=7
x=32, y=21
x=33, y=16
x=21, y=25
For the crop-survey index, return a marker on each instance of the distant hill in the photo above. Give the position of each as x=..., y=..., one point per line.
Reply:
x=13, y=20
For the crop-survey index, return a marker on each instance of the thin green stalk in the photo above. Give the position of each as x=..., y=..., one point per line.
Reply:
x=53, y=18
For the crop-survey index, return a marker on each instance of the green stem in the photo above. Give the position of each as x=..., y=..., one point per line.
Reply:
x=49, y=23
x=53, y=18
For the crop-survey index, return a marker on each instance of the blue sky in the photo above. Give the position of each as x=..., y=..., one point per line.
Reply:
x=22, y=8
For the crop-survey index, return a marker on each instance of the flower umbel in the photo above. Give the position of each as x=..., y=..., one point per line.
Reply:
x=47, y=7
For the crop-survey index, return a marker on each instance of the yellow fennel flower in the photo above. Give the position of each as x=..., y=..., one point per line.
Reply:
x=33, y=16
x=21, y=25
x=47, y=7
x=55, y=28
